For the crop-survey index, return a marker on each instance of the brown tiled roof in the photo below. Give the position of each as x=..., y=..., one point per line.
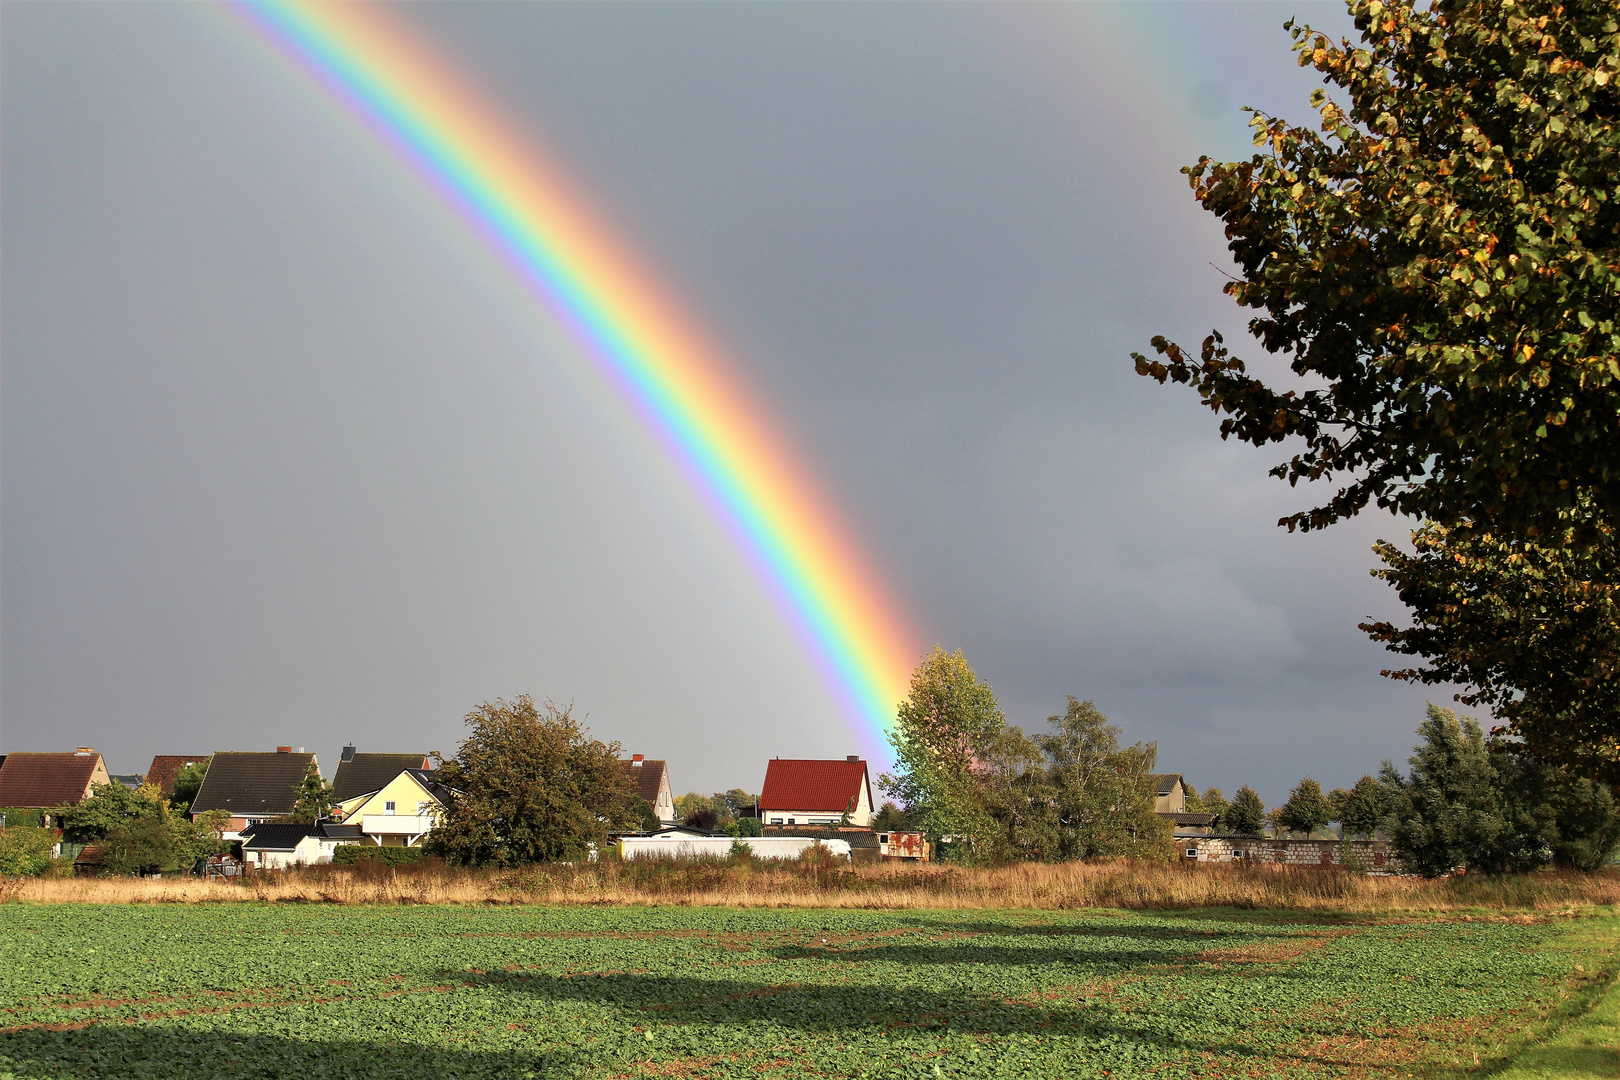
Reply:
x=165, y=767
x=368, y=772
x=810, y=784
x=648, y=777
x=252, y=783
x=28, y=780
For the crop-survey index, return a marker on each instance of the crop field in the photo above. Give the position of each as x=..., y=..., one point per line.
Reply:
x=249, y=990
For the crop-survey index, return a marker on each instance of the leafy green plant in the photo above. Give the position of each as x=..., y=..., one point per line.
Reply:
x=25, y=851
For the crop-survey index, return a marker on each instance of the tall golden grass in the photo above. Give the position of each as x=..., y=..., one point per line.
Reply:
x=1133, y=885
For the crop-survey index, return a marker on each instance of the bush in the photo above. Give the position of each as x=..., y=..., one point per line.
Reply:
x=27, y=816
x=25, y=852
x=358, y=854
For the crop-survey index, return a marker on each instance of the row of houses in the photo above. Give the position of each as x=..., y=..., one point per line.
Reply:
x=393, y=799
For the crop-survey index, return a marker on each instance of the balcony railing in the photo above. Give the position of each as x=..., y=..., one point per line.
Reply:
x=395, y=824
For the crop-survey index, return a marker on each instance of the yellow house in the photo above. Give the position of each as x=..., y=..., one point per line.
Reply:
x=398, y=814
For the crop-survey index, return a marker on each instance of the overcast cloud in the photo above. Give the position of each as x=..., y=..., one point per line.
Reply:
x=286, y=460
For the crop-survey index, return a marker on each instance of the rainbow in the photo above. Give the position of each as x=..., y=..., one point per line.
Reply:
x=529, y=219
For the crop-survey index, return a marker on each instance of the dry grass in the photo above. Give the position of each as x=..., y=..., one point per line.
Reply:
x=812, y=884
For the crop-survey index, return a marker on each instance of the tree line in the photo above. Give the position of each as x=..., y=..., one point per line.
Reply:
x=984, y=791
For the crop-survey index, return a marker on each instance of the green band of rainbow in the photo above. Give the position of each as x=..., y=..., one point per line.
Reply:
x=545, y=236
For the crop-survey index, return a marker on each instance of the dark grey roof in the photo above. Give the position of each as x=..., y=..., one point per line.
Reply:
x=277, y=836
x=366, y=773
x=1205, y=820
x=342, y=832
x=428, y=778
x=248, y=782
x=1165, y=783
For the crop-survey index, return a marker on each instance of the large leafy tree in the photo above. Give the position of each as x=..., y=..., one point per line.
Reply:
x=1306, y=810
x=946, y=728
x=110, y=806
x=1438, y=256
x=1247, y=814
x=1104, y=793
x=1359, y=809
x=529, y=785
x=1532, y=630
x=1446, y=810
x=1490, y=806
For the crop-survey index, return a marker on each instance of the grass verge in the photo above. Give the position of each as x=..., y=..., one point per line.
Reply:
x=1588, y=1046
x=813, y=884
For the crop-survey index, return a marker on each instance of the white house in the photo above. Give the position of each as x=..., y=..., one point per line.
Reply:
x=807, y=791
x=281, y=846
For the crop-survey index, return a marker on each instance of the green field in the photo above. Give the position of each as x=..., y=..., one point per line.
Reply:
x=316, y=991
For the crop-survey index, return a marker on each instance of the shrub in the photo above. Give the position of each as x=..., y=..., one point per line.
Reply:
x=25, y=852
x=27, y=816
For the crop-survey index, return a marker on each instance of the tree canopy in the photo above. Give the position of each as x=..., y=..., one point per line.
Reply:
x=528, y=785
x=1487, y=805
x=1438, y=255
x=1306, y=810
x=1104, y=792
x=1247, y=814
x=1532, y=630
x=945, y=728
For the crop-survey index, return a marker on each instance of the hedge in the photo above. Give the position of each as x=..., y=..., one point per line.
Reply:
x=354, y=854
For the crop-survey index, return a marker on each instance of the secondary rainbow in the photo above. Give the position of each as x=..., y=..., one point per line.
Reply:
x=528, y=217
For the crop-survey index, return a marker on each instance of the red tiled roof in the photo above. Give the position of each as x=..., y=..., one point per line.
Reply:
x=811, y=784
x=165, y=767
x=647, y=777
x=44, y=780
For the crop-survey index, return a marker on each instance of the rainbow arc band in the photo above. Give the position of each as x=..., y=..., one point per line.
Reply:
x=528, y=217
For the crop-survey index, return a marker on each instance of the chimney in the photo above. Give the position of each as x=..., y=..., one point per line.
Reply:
x=853, y=757
x=636, y=760
x=348, y=753
x=283, y=749
x=85, y=750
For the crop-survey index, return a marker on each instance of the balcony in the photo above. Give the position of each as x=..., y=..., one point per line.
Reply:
x=396, y=824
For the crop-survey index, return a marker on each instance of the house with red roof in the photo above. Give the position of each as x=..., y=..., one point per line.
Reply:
x=45, y=781
x=811, y=791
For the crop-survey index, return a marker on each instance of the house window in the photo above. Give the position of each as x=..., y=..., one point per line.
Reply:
x=1192, y=853
x=792, y=821
x=421, y=809
x=883, y=838
x=776, y=821
x=388, y=808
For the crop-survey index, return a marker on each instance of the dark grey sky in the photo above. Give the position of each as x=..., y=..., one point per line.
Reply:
x=287, y=460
